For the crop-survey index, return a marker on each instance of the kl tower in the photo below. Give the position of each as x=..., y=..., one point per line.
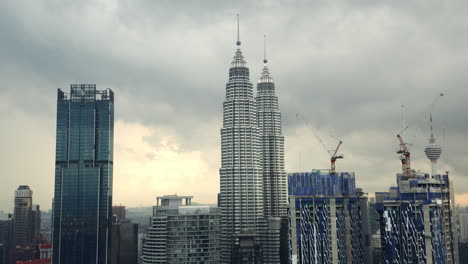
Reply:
x=433, y=150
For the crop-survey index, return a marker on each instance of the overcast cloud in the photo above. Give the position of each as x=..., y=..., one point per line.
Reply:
x=345, y=66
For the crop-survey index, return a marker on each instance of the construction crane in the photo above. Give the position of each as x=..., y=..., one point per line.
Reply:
x=333, y=154
x=334, y=157
x=404, y=156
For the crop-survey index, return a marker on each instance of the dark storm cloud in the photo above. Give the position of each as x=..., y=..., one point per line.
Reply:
x=346, y=66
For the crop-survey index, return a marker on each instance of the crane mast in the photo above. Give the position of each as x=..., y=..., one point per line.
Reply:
x=404, y=157
x=334, y=157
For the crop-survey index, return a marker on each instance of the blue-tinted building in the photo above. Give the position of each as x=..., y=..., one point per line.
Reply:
x=328, y=219
x=82, y=210
x=416, y=220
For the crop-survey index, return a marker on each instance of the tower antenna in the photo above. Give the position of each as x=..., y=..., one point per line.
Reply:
x=264, y=50
x=430, y=121
x=238, y=35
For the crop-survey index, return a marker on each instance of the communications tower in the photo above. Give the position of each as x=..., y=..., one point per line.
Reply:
x=433, y=150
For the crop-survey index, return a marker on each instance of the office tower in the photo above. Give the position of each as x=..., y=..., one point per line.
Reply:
x=119, y=212
x=415, y=220
x=182, y=233
x=22, y=235
x=124, y=242
x=82, y=210
x=326, y=218
x=35, y=224
x=274, y=177
x=275, y=194
x=6, y=241
x=241, y=195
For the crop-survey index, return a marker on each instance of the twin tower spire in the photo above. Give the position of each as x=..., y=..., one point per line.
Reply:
x=265, y=76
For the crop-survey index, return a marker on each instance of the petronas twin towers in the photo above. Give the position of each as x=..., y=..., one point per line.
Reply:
x=253, y=196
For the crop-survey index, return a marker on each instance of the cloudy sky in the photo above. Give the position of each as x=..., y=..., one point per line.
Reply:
x=346, y=67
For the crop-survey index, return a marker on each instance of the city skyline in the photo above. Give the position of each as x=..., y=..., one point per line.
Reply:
x=339, y=76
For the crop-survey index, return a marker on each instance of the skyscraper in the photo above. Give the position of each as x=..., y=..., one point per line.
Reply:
x=275, y=194
x=22, y=230
x=83, y=176
x=241, y=196
x=274, y=179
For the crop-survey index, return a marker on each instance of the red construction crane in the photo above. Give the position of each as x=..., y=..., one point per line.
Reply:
x=404, y=157
x=333, y=155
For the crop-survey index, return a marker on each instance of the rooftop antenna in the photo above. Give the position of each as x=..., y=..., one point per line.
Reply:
x=264, y=50
x=238, y=35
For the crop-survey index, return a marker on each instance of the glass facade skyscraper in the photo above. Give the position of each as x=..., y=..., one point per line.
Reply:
x=82, y=210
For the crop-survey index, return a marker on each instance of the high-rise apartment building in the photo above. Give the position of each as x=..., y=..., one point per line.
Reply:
x=182, y=233
x=22, y=217
x=416, y=220
x=82, y=210
x=241, y=178
x=328, y=219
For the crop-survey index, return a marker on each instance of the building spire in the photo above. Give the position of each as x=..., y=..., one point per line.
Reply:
x=238, y=60
x=265, y=75
x=238, y=35
x=430, y=120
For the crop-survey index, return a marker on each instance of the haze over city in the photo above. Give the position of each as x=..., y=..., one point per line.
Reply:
x=346, y=67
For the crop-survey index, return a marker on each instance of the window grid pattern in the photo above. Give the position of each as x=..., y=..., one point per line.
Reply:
x=83, y=175
x=241, y=196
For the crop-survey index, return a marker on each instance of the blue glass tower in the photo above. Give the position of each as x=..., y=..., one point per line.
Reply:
x=328, y=218
x=83, y=176
x=416, y=220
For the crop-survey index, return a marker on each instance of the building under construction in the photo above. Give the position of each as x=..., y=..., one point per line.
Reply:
x=416, y=220
x=416, y=216
x=328, y=218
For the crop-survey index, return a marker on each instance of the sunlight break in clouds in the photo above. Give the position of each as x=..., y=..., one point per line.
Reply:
x=143, y=171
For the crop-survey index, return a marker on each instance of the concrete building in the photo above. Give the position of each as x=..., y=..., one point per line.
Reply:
x=82, y=208
x=182, y=233
x=328, y=219
x=416, y=220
